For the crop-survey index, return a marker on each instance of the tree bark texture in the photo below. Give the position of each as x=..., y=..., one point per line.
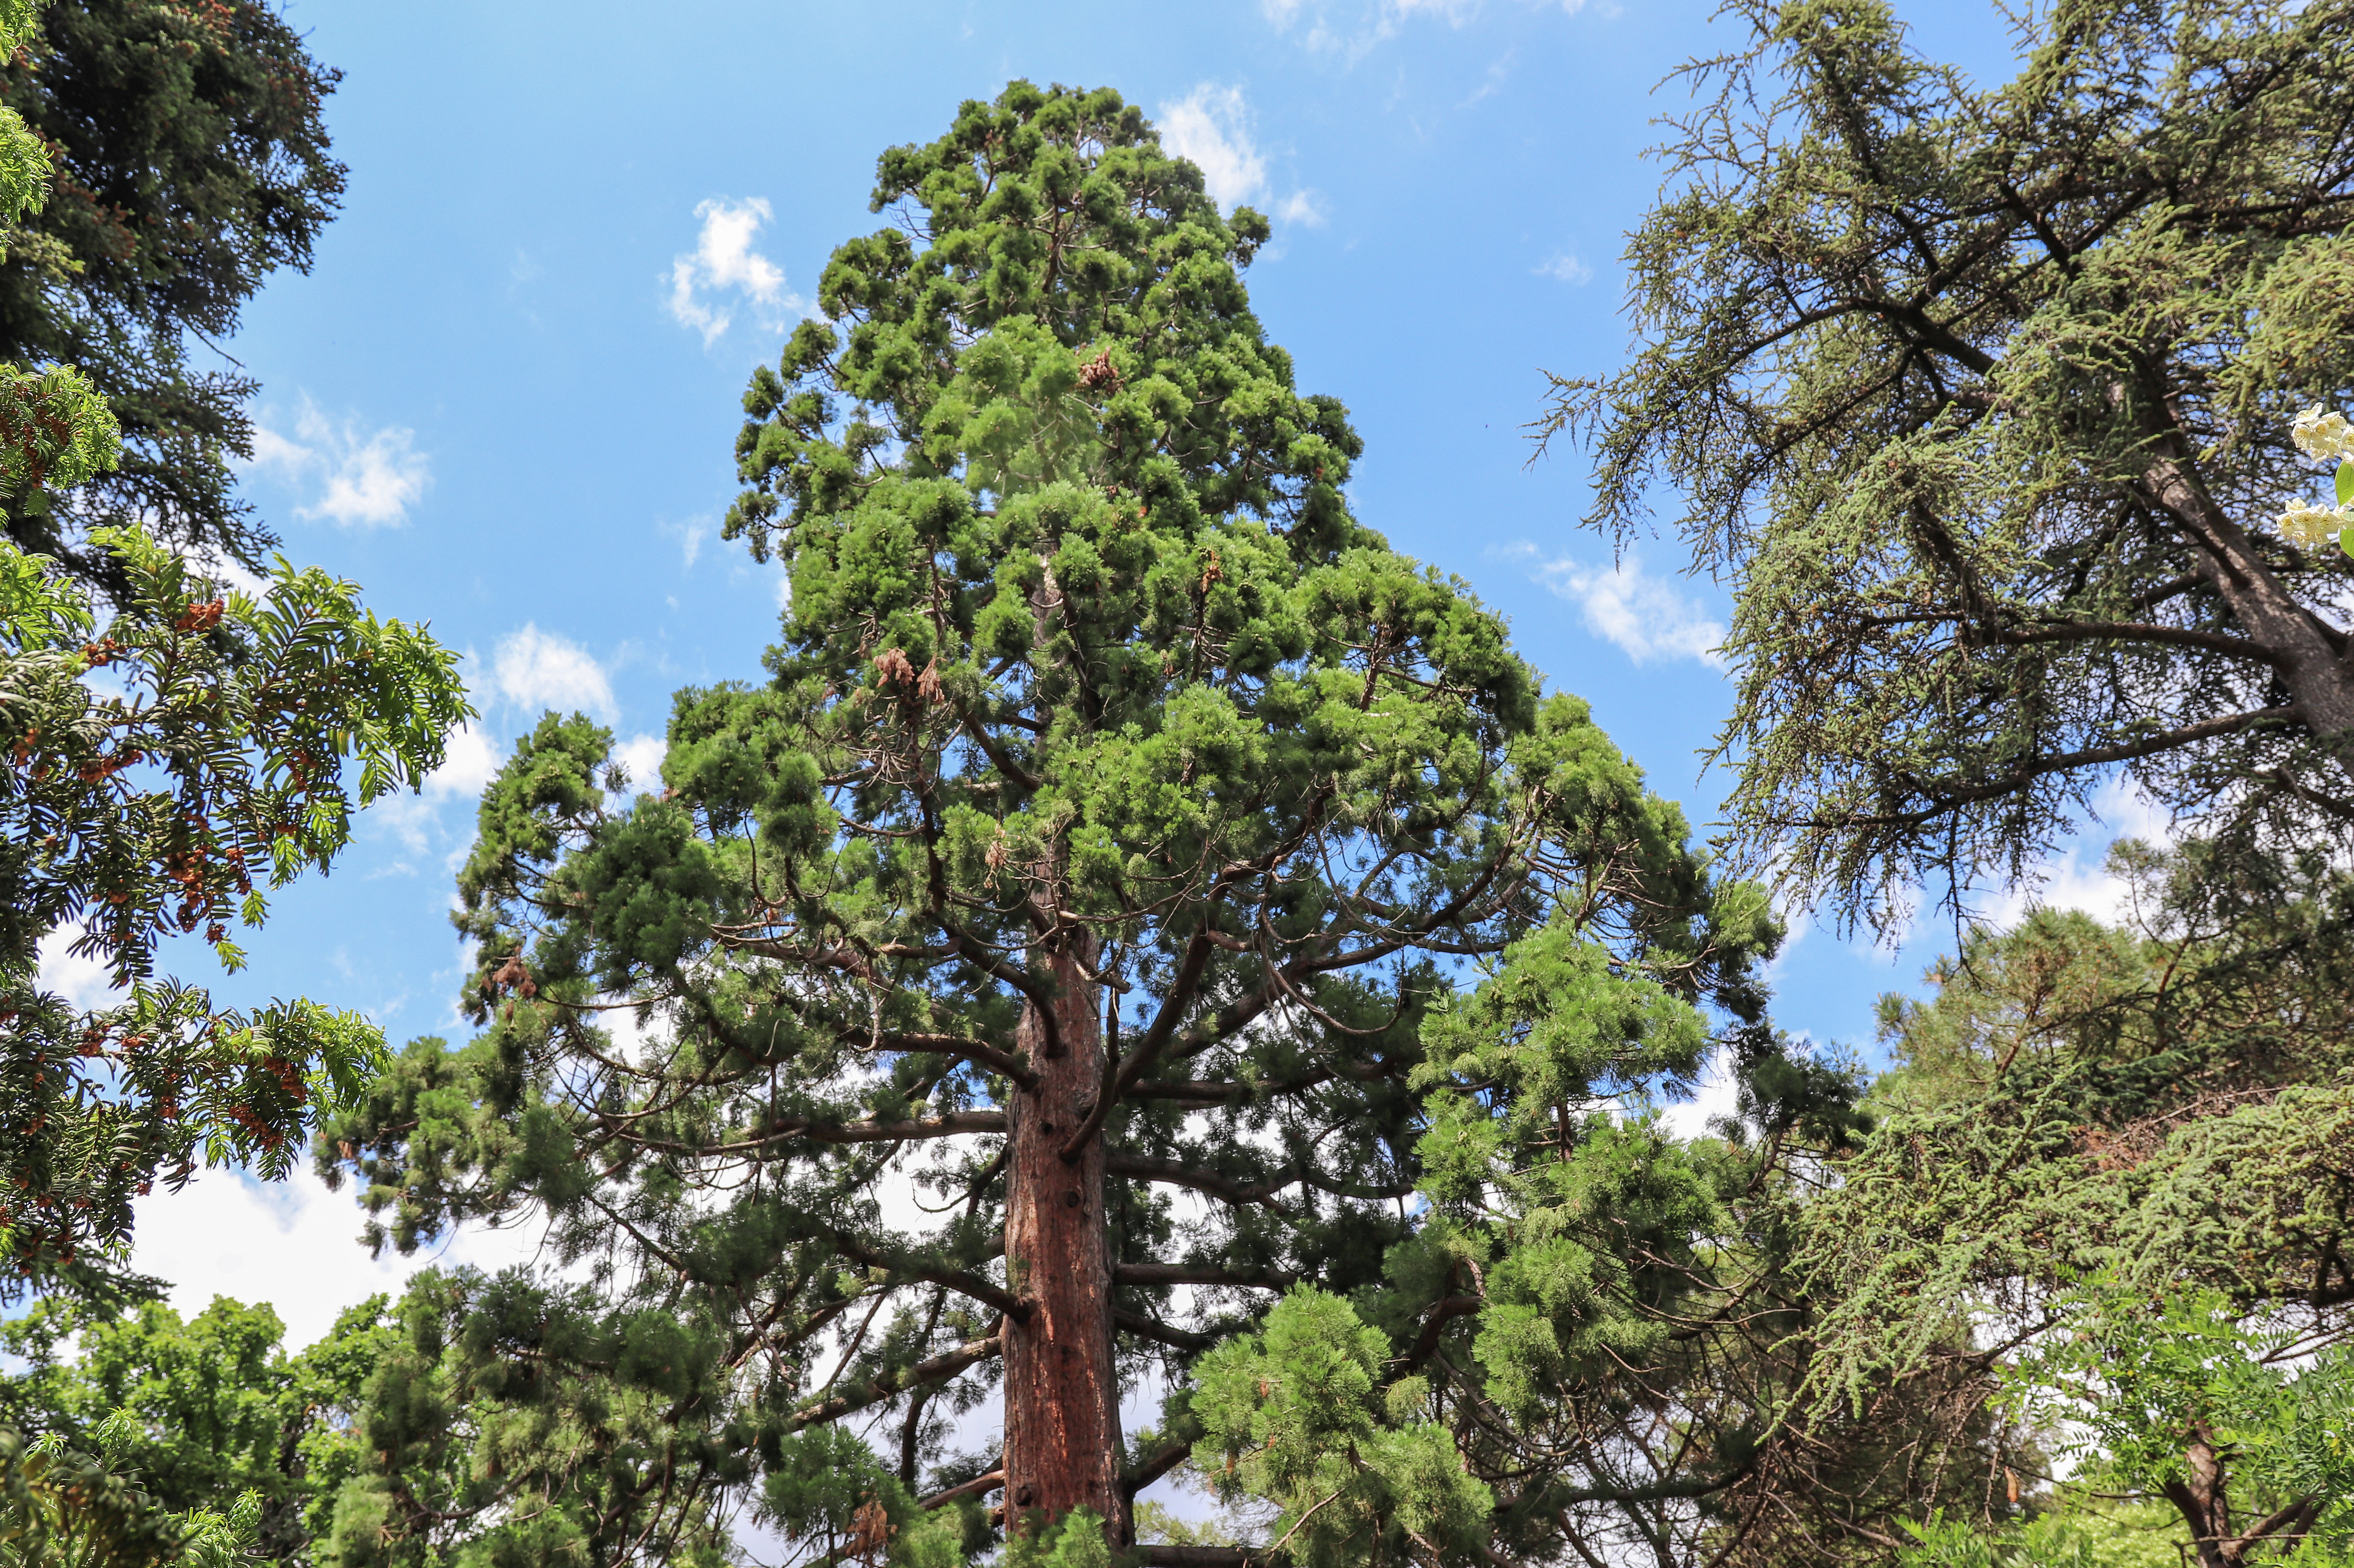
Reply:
x=1062, y=1396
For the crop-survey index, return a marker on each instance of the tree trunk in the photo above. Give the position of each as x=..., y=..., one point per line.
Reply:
x=2318, y=677
x=1062, y=1398
x=2200, y=1498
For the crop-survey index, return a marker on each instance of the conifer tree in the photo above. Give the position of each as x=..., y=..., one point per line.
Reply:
x=193, y=161
x=1035, y=975
x=1985, y=403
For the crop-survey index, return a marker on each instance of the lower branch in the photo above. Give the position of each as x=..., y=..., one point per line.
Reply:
x=890, y=1386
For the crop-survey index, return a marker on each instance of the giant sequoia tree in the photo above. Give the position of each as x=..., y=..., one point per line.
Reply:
x=1035, y=976
x=1980, y=401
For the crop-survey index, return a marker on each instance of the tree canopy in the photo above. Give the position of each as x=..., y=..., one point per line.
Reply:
x=191, y=161
x=230, y=1447
x=161, y=772
x=1980, y=400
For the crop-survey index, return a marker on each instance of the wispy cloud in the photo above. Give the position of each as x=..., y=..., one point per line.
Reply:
x=356, y=477
x=690, y=535
x=536, y=670
x=1212, y=127
x=1567, y=269
x=722, y=272
x=1646, y=617
x=1353, y=28
x=1301, y=206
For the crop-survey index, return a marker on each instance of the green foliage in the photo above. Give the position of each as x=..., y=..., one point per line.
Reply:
x=235, y=1446
x=61, y=1509
x=161, y=774
x=24, y=162
x=2166, y=1397
x=2168, y=1102
x=55, y=432
x=1074, y=1541
x=1295, y=1414
x=461, y=1415
x=1980, y=399
x=2115, y=1537
x=1156, y=1523
x=2162, y=1108
x=191, y=161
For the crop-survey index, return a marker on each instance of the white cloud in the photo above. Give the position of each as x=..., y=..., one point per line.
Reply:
x=1301, y=206
x=1353, y=30
x=468, y=763
x=229, y=574
x=1567, y=269
x=641, y=758
x=1718, y=1093
x=367, y=479
x=1355, y=27
x=1210, y=126
x=292, y=1245
x=2079, y=878
x=536, y=670
x=723, y=270
x=1645, y=615
x=690, y=535
x=85, y=983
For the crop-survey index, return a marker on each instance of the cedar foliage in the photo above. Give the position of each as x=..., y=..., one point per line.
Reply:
x=2113, y=1177
x=1979, y=400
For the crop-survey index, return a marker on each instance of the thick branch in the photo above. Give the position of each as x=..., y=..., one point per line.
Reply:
x=1186, y=1274
x=979, y=1487
x=1170, y=1173
x=890, y=1386
x=2206, y=729
x=959, y=1280
x=990, y=1056
x=954, y=1124
x=1167, y=1457
x=2140, y=632
x=1160, y=1333
x=1442, y=1312
x=2289, y=1523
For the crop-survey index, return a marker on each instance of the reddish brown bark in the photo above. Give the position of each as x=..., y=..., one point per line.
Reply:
x=1062, y=1397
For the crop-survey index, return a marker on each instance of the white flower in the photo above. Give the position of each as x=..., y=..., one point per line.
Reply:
x=2313, y=526
x=2323, y=435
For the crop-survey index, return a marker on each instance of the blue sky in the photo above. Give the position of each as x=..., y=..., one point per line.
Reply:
x=504, y=398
